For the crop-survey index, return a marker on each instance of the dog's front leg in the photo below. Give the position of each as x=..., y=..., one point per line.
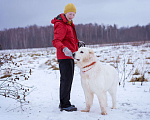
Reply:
x=89, y=102
x=88, y=97
x=103, y=102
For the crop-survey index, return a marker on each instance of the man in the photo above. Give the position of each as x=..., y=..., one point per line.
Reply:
x=66, y=42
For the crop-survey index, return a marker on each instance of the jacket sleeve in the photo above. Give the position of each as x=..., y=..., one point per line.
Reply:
x=59, y=35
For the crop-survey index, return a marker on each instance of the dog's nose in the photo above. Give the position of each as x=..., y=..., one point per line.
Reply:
x=73, y=54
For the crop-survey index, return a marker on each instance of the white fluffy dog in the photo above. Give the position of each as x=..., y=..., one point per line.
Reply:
x=96, y=79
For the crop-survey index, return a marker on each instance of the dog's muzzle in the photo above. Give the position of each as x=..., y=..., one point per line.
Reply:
x=74, y=54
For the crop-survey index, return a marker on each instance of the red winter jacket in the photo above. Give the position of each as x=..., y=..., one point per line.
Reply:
x=64, y=36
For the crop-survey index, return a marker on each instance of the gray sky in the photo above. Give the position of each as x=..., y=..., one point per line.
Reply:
x=22, y=13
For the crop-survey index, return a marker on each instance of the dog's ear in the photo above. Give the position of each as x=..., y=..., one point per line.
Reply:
x=91, y=51
x=91, y=54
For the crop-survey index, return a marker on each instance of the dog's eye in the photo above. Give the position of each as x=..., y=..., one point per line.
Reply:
x=81, y=51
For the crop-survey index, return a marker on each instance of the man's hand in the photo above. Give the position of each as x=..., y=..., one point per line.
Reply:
x=67, y=52
x=81, y=44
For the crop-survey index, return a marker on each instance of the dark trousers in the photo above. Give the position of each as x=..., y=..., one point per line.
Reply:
x=66, y=67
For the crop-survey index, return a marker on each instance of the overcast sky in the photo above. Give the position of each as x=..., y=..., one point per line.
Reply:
x=22, y=13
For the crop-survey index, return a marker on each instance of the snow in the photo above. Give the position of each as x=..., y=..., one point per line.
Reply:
x=133, y=101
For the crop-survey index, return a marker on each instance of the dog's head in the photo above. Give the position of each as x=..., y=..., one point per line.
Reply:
x=84, y=55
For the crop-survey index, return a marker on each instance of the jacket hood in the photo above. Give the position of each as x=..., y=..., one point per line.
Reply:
x=60, y=18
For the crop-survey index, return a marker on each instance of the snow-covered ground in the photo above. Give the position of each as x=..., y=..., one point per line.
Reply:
x=133, y=100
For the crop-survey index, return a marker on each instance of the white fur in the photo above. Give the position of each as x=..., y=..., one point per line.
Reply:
x=96, y=79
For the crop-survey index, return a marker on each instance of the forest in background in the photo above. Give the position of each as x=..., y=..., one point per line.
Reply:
x=38, y=36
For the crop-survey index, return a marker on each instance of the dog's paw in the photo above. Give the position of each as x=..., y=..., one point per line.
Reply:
x=113, y=107
x=103, y=113
x=85, y=110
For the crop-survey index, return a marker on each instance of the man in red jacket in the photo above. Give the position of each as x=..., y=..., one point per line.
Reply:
x=66, y=42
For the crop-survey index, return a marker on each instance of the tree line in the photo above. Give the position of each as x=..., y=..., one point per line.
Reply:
x=38, y=36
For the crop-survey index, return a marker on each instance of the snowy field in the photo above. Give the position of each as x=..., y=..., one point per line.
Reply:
x=37, y=71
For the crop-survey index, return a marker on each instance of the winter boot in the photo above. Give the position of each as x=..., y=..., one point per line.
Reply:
x=69, y=109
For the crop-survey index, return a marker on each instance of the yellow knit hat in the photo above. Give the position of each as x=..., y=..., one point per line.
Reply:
x=70, y=8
